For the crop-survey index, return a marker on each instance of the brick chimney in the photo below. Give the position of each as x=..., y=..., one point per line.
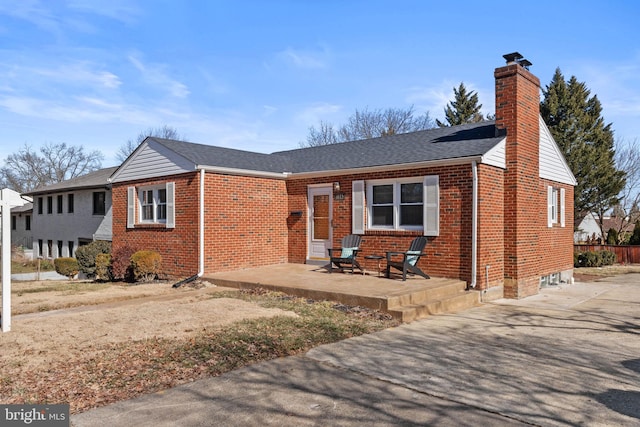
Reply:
x=517, y=113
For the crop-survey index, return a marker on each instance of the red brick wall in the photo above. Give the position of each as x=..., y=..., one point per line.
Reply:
x=178, y=246
x=517, y=111
x=556, y=242
x=490, y=227
x=245, y=222
x=448, y=255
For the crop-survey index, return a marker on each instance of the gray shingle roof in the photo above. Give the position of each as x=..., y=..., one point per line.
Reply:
x=208, y=155
x=94, y=179
x=428, y=145
x=453, y=142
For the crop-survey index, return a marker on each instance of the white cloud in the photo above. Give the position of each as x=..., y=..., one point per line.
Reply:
x=434, y=99
x=315, y=113
x=155, y=75
x=305, y=59
x=120, y=10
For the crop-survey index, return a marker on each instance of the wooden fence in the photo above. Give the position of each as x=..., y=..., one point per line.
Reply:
x=626, y=254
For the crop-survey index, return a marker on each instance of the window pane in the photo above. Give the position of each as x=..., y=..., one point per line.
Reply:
x=162, y=212
x=162, y=196
x=382, y=215
x=147, y=213
x=98, y=203
x=70, y=203
x=411, y=215
x=382, y=194
x=411, y=193
x=320, y=217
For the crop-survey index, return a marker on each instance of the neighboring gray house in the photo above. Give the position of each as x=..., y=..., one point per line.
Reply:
x=71, y=213
x=20, y=222
x=21, y=226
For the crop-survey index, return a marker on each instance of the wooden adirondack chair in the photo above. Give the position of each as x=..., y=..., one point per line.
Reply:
x=346, y=255
x=409, y=261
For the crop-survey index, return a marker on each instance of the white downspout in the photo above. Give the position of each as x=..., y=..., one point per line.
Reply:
x=201, y=248
x=474, y=226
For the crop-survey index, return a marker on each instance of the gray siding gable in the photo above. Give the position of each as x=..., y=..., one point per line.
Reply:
x=151, y=160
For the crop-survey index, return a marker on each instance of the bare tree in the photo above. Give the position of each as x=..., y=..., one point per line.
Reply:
x=28, y=169
x=166, y=132
x=367, y=124
x=627, y=159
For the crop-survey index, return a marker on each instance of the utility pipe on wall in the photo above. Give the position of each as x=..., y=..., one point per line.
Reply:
x=474, y=225
x=201, y=246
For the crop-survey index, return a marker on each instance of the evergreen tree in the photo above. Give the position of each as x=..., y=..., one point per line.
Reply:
x=463, y=109
x=574, y=119
x=612, y=236
x=635, y=237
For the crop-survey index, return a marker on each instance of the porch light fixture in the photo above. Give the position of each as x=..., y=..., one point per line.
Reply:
x=336, y=187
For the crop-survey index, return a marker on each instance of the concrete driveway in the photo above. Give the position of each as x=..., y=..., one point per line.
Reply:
x=568, y=356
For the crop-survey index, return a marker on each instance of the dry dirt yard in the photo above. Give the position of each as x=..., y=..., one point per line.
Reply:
x=53, y=326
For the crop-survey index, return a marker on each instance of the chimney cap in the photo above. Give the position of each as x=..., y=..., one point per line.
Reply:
x=525, y=63
x=512, y=57
x=516, y=58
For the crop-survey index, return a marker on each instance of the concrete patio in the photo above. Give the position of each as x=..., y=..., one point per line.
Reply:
x=407, y=300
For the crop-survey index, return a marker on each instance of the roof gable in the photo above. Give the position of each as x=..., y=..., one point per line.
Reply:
x=160, y=157
x=553, y=165
x=150, y=160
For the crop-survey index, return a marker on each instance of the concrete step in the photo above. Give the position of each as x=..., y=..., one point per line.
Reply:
x=443, y=290
x=461, y=301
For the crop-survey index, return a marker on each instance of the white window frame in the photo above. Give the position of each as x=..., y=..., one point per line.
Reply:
x=555, y=206
x=155, y=203
x=134, y=205
x=430, y=205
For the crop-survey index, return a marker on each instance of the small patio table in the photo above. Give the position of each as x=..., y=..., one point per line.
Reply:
x=378, y=258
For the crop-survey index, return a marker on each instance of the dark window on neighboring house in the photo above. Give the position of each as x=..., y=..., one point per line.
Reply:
x=40, y=205
x=40, y=248
x=60, y=204
x=71, y=248
x=99, y=203
x=49, y=204
x=70, y=203
x=27, y=222
x=49, y=248
x=59, y=248
x=14, y=222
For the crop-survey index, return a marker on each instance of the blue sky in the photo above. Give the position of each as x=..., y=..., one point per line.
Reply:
x=255, y=75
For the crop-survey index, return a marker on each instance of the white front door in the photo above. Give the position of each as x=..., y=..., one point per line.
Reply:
x=320, y=218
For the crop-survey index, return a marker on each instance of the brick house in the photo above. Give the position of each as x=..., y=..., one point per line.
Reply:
x=495, y=199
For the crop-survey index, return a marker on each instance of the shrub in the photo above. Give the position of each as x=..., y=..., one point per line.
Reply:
x=594, y=259
x=146, y=265
x=121, y=263
x=103, y=267
x=86, y=256
x=612, y=236
x=66, y=267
